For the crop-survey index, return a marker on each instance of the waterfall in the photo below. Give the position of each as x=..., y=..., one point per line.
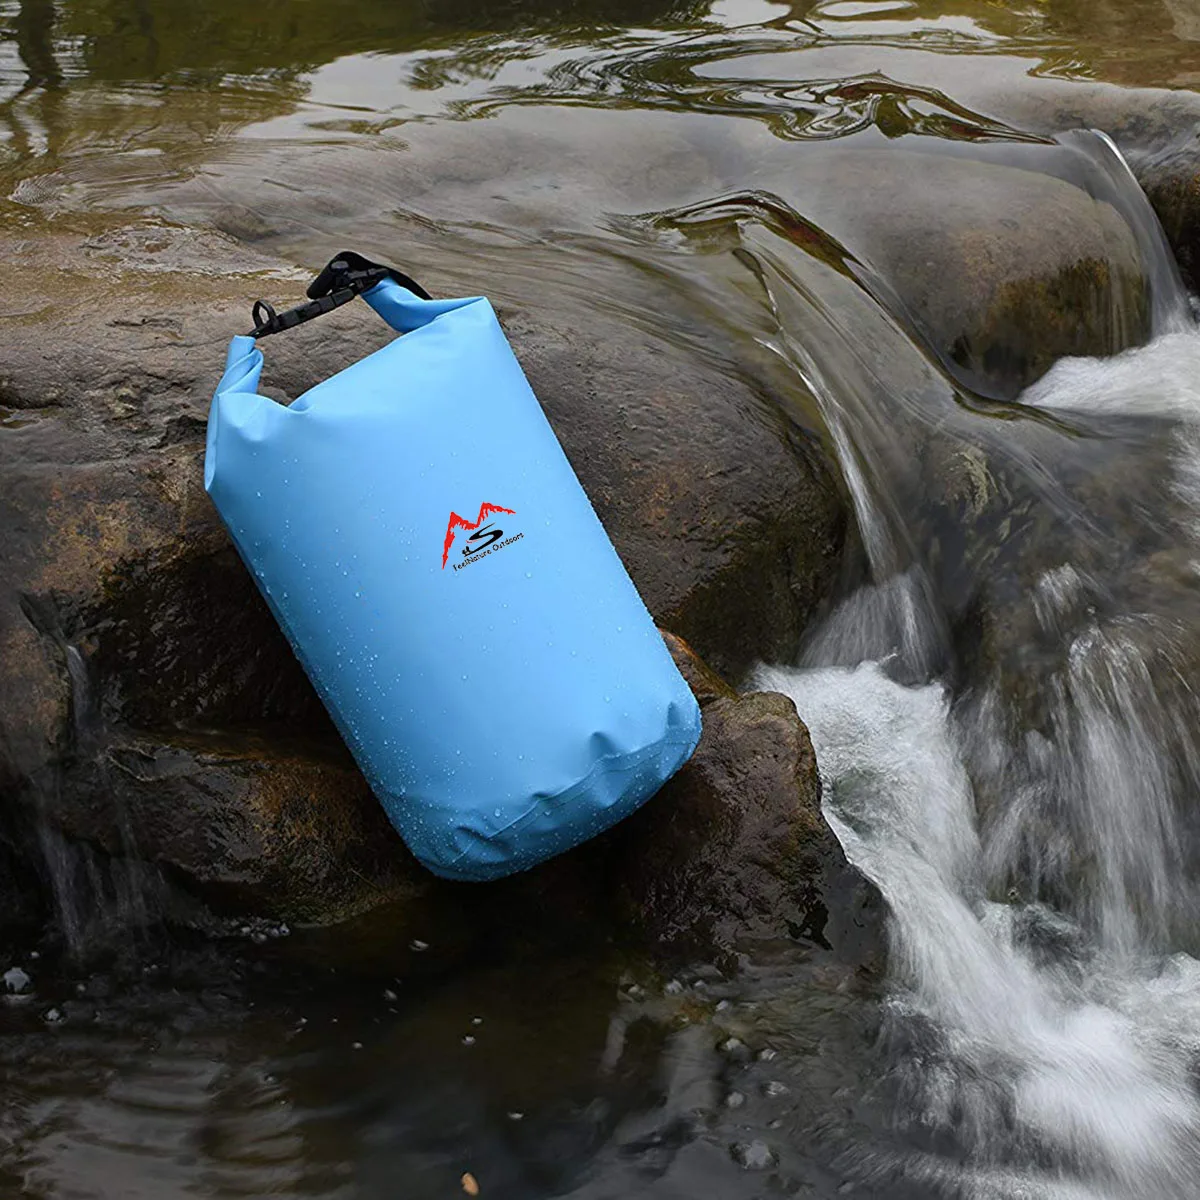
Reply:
x=1027, y=1039
x=1009, y=740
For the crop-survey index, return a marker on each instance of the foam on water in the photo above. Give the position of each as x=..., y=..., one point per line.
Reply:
x=1066, y=1074
x=1160, y=379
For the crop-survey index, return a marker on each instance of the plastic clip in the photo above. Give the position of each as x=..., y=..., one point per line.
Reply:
x=346, y=276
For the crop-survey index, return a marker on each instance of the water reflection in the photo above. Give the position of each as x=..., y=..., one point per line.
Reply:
x=33, y=30
x=203, y=1074
x=96, y=87
x=162, y=39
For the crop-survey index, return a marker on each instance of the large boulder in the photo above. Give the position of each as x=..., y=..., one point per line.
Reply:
x=1001, y=261
x=128, y=622
x=1154, y=128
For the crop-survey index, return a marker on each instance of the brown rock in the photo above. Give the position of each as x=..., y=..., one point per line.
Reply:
x=284, y=831
x=127, y=617
x=997, y=264
x=734, y=850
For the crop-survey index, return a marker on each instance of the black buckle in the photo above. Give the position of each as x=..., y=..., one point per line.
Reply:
x=346, y=276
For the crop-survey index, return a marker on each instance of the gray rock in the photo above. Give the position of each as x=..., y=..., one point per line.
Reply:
x=998, y=261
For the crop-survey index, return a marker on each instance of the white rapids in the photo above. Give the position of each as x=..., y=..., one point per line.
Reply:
x=1056, y=1044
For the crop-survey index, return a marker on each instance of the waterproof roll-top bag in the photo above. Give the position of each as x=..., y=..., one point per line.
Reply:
x=428, y=551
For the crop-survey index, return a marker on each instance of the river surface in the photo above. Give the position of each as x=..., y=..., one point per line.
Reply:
x=1016, y=778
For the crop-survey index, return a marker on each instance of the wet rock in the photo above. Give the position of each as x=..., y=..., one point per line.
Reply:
x=1155, y=130
x=125, y=615
x=262, y=825
x=734, y=851
x=998, y=264
x=1171, y=179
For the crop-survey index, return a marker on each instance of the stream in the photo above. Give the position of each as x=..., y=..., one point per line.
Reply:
x=1002, y=696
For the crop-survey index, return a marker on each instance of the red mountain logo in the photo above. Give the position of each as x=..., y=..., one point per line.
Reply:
x=457, y=522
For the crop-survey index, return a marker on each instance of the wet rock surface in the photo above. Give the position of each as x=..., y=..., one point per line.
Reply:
x=261, y=825
x=1022, y=267
x=139, y=654
x=1155, y=130
x=734, y=850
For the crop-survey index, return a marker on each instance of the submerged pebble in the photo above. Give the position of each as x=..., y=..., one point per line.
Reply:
x=736, y=1049
x=753, y=1156
x=16, y=981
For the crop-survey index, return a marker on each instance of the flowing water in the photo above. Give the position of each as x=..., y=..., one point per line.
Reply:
x=1003, y=698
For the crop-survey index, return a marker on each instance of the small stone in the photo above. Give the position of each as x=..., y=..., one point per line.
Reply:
x=735, y=1100
x=476, y=1020
x=16, y=981
x=468, y=1040
x=356, y=1045
x=775, y=1088
x=516, y=1116
x=735, y=1048
x=390, y=996
x=723, y=1006
x=673, y=988
x=766, y=1055
x=753, y=1156
x=417, y=946
x=54, y=1016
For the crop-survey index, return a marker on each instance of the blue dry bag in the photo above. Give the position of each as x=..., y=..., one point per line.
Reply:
x=424, y=544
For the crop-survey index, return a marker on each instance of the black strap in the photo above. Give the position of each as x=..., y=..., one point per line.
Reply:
x=345, y=276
